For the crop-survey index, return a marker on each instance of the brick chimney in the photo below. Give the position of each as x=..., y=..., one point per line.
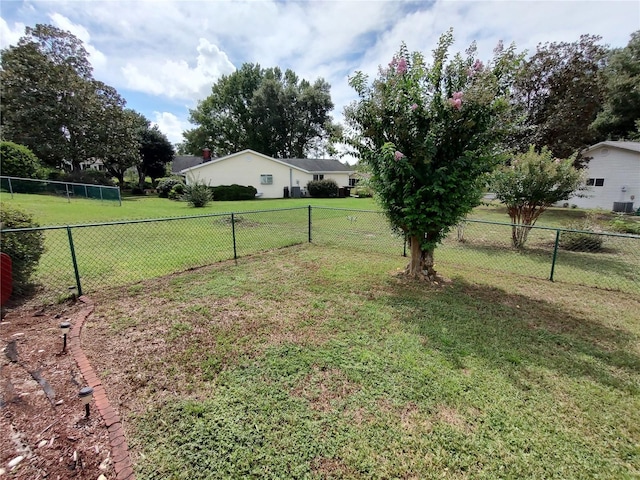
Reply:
x=206, y=155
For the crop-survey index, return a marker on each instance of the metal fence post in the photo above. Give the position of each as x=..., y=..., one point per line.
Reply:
x=233, y=232
x=10, y=187
x=555, y=254
x=309, y=223
x=74, y=260
x=66, y=185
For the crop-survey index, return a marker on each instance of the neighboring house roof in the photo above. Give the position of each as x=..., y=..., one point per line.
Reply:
x=632, y=146
x=182, y=162
x=307, y=165
x=318, y=165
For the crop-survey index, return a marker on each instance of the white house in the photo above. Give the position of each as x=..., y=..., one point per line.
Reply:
x=613, y=178
x=270, y=176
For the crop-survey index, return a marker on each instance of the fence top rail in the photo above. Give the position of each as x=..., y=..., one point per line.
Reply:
x=41, y=180
x=347, y=209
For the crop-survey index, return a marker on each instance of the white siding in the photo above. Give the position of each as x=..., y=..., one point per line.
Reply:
x=620, y=170
x=246, y=168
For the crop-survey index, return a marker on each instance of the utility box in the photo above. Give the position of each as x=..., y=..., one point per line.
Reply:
x=295, y=192
x=623, y=207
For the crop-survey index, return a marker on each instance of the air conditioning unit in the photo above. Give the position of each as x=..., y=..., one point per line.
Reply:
x=623, y=207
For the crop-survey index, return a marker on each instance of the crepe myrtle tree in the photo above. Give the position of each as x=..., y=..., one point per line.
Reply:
x=529, y=184
x=429, y=135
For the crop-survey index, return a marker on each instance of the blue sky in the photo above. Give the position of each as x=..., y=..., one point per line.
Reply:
x=163, y=56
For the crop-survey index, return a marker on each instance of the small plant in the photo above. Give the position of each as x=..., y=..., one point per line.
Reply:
x=583, y=238
x=176, y=192
x=326, y=188
x=197, y=194
x=621, y=225
x=24, y=248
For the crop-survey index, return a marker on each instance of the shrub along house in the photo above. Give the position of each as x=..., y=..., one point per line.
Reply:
x=272, y=177
x=612, y=178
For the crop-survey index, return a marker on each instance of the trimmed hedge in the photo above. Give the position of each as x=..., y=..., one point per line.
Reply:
x=223, y=193
x=326, y=188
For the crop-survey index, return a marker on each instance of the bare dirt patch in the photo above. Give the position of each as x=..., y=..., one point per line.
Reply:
x=43, y=431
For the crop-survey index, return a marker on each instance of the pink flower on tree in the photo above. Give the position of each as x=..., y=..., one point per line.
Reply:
x=456, y=100
x=414, y=106
x=402, y=66
x=475, y=68
x=398, y=155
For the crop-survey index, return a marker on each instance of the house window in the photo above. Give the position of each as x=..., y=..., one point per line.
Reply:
x=598, y=182
x=266, y=179
x=318, y=177
x=353, y=182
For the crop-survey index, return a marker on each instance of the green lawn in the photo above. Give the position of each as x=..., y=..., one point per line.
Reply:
x=126, y=253
x=315, y=362
x=54, y=210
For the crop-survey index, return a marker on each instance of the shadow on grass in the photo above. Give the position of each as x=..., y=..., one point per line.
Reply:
x=513, y=331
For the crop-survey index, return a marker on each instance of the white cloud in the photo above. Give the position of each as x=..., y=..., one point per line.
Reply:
x=170, y=125
x=8, y=35
x=178, y=49
x=175, y=78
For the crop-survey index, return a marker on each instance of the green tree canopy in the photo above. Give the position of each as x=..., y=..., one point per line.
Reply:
x=266, y=110
x=559, y=90
x=621, y=113
x=428, y=134
x=51, y=103
x=18, y=161
x=155, y=153
x=530, y=184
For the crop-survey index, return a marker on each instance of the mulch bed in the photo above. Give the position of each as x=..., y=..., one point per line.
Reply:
x=43, y=429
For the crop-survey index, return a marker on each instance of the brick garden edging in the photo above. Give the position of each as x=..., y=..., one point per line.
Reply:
x=119, y=449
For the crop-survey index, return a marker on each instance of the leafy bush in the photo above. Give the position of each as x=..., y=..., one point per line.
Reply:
x=92, y=177
x=363, y=192
x=18, y=161
x=582, y=240
x=137, y=191
x=24, y=248
x=623, y=226
x=326, y=188
x=166, y=184
x=197, y=194
x=176, y=192
x=233, y=192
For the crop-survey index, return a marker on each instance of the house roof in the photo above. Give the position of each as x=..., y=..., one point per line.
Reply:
x=318, y=165
x=182, y=162
x=307, y=165
x=631, y=146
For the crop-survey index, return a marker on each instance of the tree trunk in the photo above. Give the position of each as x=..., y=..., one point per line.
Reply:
x=141, y=178
x=421, y=263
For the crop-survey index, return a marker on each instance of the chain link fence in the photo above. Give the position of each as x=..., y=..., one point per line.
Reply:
x=88, y=258
x=69, y=190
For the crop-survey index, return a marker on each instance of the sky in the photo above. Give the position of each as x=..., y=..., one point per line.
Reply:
x=164, y=56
